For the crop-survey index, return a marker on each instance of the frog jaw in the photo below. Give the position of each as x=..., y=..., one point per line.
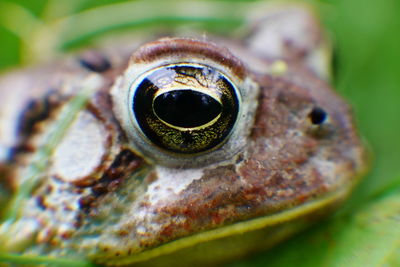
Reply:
x=206, y=246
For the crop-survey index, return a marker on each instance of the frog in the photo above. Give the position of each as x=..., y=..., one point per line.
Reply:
x=177, y=150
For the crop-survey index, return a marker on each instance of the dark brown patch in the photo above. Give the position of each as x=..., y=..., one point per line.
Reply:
x=124, y=164
x=94, y=61
x=123, y=233
x=85, y=182
x=99, y=189
x=36, y=111
x=178, y=46
x=49, y=189
x=66, y=235
x=41, y=202
x=86, y=202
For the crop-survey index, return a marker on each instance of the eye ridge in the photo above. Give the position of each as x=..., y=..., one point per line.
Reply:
x=182, y=115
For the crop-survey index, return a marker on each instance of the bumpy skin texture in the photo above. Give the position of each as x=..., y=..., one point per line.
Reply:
x=99, y=198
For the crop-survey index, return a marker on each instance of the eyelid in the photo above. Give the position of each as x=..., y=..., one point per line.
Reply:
x=182, y=47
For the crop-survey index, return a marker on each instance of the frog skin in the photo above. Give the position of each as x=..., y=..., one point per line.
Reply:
x=109, y=193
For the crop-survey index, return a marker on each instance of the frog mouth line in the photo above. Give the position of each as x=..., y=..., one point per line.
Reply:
x=231, y=230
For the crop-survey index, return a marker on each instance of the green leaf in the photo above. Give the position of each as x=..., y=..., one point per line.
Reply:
x=49, y=261
x=368, y=237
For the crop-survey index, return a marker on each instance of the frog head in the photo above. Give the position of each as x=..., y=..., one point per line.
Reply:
x=190, y=147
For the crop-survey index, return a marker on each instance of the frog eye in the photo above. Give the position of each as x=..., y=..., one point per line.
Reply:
x=185, y=108
x=185, y=103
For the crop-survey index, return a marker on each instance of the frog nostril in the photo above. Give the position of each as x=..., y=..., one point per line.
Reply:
x=317, y=116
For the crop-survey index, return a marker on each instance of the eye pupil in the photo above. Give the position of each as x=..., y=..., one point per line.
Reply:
x=318, y=115
x=186, y=108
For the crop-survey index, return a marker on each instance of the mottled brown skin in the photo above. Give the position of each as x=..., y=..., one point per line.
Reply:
x=286, y=162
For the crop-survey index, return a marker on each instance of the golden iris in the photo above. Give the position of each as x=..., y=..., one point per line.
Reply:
x=186, y=108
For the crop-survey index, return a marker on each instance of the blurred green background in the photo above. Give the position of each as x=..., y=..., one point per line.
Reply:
x=366, y=35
